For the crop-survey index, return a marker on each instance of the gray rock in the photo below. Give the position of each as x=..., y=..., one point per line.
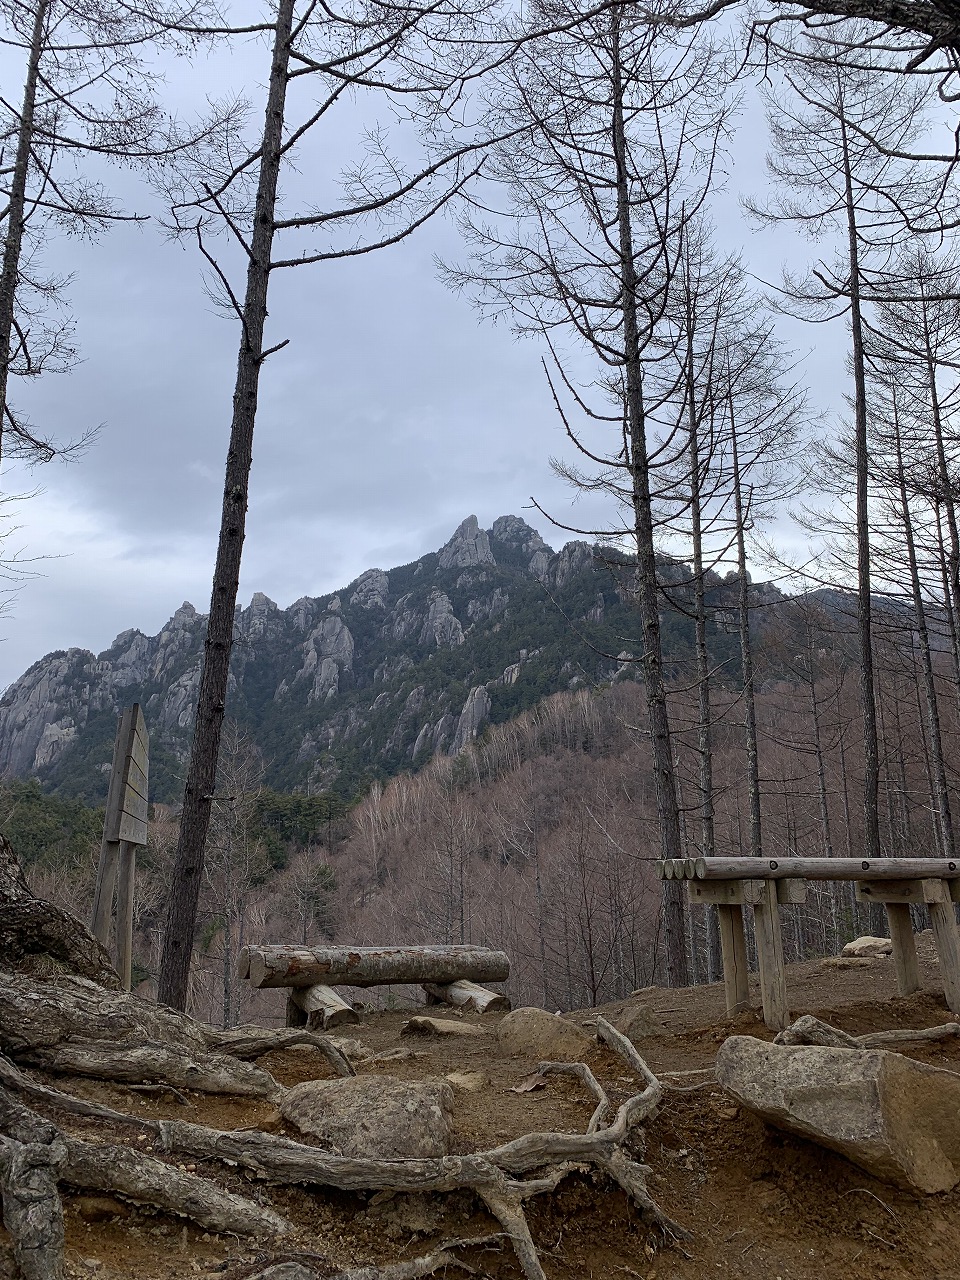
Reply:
x=573, y=558
x=896, y=1118
x=475, y=712
x=441, y=626
x=373, y=1116
x=640, y=1023
x=810, y=1030
x=544, y=1036
x=371, y=589
x=468, y=546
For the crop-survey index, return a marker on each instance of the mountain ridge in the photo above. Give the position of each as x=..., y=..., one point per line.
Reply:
x=348, y=686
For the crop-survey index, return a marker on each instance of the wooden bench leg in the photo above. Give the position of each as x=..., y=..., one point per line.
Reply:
x=123, y=950
x=773, y=982
x=904, y=947
x=296, y=1017
x=733, y=949
x=948, y=948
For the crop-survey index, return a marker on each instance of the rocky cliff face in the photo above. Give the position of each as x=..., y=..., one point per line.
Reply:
x=341, y=688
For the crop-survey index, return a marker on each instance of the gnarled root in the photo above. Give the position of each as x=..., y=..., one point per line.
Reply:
x=143, y=1179
x=31, y=1157
x=253, y=1042
x=503, y=1177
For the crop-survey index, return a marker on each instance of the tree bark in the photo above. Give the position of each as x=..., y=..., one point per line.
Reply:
x=36, y=936
x=285, y=966
x=16, y=208
x=202, y=770
x=868, y=705
x=668, y=810
x=31, y=1158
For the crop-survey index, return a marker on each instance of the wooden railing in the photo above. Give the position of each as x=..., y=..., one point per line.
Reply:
x=766, y=884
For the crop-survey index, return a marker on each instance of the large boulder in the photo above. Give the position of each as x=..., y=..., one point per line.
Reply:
x=373, y=1116
x=545, y=1036
x=896, y=1118
x=868, y=947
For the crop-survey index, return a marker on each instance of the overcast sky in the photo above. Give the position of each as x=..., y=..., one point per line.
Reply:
x=392, y=415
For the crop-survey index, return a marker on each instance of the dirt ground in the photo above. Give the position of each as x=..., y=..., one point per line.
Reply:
x=759, y=1203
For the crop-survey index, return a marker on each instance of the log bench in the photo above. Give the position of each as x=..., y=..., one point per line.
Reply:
x=448, y=974
x=766, y=884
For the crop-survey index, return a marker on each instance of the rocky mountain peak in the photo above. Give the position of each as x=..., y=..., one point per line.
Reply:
x=469, y=546
x=518, y=533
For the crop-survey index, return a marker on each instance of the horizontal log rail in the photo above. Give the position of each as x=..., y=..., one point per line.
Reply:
x=294, y=966
x=808, y=869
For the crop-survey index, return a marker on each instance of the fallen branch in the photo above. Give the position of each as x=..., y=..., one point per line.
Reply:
x=811, y=1030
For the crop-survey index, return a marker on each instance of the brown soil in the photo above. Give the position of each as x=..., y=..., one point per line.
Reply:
x=759, y=1204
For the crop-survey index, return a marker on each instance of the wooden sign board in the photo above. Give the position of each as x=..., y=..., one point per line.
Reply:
x=127, y=802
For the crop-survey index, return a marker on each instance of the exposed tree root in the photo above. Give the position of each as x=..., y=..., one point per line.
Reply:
x=143, y=1179
x=208, y=1072
x=496, y=1176
x=253, y=1042
x=31, y=1157
x=37, y=937
x=309, y=1266
x=70, y=1024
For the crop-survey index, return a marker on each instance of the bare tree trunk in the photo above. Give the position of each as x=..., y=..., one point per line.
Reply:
x=202, y=769
x=746, y=654
x=646, y=578
x=818, y=749
x=17, y=206
x=941, y=796
x=871, y=753
x=708, y=846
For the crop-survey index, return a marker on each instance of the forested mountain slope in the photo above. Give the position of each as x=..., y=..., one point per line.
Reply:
x=343, y=688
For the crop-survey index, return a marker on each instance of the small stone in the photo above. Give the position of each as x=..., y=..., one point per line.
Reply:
x=98, y=1208
x=467, y=1081
x=439, y=1027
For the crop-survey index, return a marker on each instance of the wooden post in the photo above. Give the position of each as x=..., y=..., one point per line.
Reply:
x=729, y=897
x=733, y=949
x=467, y=995
x=945, y=931
x=124, y=827
x=294, y=1015
x=897, y=896
x=773, y=983
x=125, y=889
x=110, y=846
x=904, y=947
x=321, y=1008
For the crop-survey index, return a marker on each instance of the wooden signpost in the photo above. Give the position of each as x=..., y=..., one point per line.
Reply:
x=125, y=827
